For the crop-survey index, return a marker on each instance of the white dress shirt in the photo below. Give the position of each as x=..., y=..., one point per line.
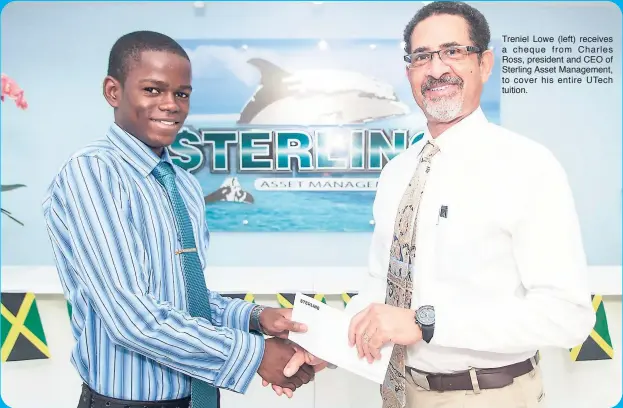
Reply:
x=505, y=269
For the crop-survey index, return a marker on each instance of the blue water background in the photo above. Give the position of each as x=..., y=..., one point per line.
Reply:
x=304, y=211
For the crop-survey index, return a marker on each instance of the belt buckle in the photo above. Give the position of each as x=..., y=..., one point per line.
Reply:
x=420, y=379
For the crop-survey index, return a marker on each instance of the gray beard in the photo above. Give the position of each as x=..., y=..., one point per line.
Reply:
x=444, y=109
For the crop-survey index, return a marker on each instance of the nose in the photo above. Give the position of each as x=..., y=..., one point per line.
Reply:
x=169, y=103
x=437, y=68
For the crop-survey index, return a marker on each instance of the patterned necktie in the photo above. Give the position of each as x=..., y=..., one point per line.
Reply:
x=203, y=395
x=399, y=274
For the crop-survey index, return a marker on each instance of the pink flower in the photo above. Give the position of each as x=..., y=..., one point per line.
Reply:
x=13, y=91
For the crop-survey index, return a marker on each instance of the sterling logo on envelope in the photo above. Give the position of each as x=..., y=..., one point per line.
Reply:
x=327, y=338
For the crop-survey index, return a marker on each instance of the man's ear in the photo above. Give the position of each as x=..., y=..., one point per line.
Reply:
x=112, y=91
x=486, y=65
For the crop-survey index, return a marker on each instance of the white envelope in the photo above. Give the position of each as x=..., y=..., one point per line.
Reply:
x=327, y=338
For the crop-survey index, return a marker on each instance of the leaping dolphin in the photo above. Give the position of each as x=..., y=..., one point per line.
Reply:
x=318, y=97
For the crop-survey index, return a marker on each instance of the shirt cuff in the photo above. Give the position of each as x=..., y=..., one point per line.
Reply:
x=245, y=356
x=237, y=314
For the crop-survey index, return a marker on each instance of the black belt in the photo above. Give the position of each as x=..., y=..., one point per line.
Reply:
x=91, y=399
x=488, y=378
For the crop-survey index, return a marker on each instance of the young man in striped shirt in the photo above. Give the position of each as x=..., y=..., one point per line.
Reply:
x=130, y=240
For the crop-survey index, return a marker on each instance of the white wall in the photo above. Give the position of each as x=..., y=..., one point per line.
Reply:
x=60, y=60
x=53, y=383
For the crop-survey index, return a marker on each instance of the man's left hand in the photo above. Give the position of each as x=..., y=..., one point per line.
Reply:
x=277, y=322
x=378, y=324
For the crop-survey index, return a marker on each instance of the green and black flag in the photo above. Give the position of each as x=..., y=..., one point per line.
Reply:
x=347, y=296
x=598, y=345
x=22, y=332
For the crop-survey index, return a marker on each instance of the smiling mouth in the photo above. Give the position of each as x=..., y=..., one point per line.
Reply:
x=166, y=122
x=440, y=91
x=439, y=88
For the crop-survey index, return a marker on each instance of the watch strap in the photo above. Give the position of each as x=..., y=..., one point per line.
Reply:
x=427, y=332
x=254, y=320
x=428, y=328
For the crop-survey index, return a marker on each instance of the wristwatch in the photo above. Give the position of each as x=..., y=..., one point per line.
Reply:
x=254, y=320
x=425, y=318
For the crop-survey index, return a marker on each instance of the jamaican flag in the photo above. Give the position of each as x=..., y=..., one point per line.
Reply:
x=286, y=299
x=320, y=297
x=244, y=296
x=347, y=296
x=22, y=332
x=598, y=345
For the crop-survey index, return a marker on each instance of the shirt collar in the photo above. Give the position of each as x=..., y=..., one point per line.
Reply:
x=135, y=152
x=456, y=136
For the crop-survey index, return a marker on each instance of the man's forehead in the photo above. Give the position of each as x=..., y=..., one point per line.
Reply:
x=436, y=31
x=161, y=60
x=163, y=66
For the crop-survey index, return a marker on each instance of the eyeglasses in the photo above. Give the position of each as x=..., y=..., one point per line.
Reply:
x=447, y=55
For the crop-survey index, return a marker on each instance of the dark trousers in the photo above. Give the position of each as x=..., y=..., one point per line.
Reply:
x=91, y=399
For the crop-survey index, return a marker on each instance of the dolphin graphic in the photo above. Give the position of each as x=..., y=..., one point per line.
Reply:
x=231, y=191
x=318, y=97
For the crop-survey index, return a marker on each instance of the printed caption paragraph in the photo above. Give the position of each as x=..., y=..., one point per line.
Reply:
x=529, y=60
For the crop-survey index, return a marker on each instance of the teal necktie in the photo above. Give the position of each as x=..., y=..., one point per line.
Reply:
x=203, y=395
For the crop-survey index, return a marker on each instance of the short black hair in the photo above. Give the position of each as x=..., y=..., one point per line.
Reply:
x=128, y=48
x=479, y=32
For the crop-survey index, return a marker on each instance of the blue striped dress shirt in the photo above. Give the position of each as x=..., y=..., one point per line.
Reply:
x=114, y=238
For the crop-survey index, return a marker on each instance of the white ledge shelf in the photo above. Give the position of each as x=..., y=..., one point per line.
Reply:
x=604, y=280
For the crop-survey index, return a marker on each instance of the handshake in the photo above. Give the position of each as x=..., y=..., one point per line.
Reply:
x=287, y=365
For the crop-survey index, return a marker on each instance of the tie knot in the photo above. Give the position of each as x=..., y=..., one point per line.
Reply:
x=162, y=170
x=430, y=149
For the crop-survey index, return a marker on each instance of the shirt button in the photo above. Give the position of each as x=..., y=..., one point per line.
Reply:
x=231, y=382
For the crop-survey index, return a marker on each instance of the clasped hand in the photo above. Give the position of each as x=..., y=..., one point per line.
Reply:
x=369, y=330
x=300, y=360
x=283, y=365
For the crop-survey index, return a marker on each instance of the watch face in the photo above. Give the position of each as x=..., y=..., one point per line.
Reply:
x=426, y=315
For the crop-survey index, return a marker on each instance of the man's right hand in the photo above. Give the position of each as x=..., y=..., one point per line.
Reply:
x=300, y=359
x=277, y=354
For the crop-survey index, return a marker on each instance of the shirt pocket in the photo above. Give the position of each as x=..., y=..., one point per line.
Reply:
x=459, y=240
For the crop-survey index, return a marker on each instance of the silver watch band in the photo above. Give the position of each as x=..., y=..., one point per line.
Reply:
x=255, y=318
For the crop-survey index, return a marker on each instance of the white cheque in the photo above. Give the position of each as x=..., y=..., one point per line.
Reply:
x=327, y=338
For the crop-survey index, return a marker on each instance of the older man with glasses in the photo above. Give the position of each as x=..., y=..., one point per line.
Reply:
x=477, y=260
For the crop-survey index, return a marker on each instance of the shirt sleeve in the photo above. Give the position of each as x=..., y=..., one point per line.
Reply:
x=235, y=313
x=556, y=309
x=110, y=260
